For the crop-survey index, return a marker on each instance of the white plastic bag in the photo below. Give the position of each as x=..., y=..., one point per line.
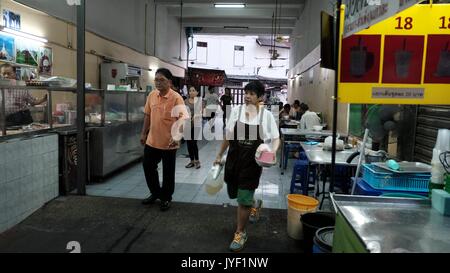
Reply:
x=215, y=179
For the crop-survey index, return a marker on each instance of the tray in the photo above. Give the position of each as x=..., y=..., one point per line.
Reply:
x=406, y=167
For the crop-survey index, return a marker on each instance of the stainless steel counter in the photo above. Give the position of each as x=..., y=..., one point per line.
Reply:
x=317, y=155
x=301, y=132
x=391, y=225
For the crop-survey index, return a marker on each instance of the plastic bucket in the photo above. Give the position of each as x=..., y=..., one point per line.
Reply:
x=297, y=206
x=323, y=241
x=312, y=222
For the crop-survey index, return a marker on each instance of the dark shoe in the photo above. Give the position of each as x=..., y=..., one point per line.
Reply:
x=149, y=200
x=190, y=165
x=197, y=165
x=165, y=205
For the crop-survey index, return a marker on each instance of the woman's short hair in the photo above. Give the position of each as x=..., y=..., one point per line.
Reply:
x=257, y=87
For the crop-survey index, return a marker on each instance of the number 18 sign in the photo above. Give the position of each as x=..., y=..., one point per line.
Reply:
x=404, y=59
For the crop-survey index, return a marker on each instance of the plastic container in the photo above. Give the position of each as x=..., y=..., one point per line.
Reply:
x=323, y=241
x=362, y=188
x=381, y=179
x=297, y=206
x=313, y=222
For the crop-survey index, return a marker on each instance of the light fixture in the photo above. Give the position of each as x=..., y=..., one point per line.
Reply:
x=23, y=34
x=229, y=5
x=235, y=27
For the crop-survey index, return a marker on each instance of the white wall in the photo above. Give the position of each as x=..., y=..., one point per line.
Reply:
x=125, y=23
x=305, y=52
x=221, y=54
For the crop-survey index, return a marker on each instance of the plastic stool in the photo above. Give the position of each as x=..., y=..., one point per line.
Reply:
x=304, y=174
x=287, y=149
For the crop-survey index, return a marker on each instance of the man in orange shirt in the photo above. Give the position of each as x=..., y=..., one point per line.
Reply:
x=165, y=112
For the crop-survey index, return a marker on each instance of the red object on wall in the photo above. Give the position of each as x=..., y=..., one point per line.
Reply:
x=403, y=58
x=360, y=60
x=437, y=67
x=206, y=77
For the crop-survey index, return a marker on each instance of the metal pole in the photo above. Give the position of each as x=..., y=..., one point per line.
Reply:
x=81, y=144
x=335, y=97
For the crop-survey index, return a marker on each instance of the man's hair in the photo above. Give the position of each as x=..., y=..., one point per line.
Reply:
x=7, y=65
x=165, y=72
x=297, y=102
x=257, y=87
x=227, y=88
x=304, y=107
x=287, y=106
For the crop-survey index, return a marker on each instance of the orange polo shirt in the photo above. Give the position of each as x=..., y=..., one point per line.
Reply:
x=163, y=115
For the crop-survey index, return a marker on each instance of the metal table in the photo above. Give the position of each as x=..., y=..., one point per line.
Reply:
x=316, y=155
x=394, y=224
x=289, y=135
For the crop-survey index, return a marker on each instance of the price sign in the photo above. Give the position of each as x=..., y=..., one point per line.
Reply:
x=404, y=59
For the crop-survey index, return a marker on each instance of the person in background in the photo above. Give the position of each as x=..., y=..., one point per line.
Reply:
x=242, y=173
x=17, y=102
x=284, y=114
x=211, y=103
x=160, y=117
x=295, y=112
x=194, y=126
x=226, y=100
x=309, y=119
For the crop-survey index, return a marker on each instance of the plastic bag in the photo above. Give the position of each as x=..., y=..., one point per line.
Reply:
x=214, y=180
x=264, y=156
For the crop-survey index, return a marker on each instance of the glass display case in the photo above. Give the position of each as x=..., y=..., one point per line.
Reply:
x=116, y=141
x=29, y=109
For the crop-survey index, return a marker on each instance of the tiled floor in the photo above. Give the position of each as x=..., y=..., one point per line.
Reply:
x=189, y=186
x=189, y=183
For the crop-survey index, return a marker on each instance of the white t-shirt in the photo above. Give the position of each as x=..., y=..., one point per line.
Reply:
x=270, y=127
x=309, y=119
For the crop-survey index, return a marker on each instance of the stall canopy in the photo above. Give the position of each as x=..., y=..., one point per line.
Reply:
x=205, y=77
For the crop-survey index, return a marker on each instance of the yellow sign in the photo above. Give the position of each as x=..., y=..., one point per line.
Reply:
x=404, y=59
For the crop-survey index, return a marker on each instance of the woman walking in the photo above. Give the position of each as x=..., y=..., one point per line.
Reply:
x=193, y=128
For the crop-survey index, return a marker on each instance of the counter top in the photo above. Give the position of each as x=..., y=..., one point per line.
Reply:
x=391, y=225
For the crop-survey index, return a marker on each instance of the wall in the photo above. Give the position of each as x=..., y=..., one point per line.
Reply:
x=305, y=52
x=306, y=35
x=28, y=177
x=221, y=56
x=316, y=88
x=130, y=23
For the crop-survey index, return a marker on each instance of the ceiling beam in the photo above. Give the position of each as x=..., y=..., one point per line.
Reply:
x=221, y=22
x=249, y=31
x=247, y=2
x=258, y=13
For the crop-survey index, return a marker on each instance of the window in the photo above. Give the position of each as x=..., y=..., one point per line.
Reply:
x=202, y=52
x=238, y=55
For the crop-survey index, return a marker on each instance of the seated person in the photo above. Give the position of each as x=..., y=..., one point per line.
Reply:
x=295, y=112
x=285, y=112
x=17, y=102
x=309, y=119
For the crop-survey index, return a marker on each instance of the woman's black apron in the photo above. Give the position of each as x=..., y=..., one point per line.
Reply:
x=241, y=169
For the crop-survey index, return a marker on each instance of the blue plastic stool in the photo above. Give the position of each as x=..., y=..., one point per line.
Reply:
x=303, y=174
x=287, y=149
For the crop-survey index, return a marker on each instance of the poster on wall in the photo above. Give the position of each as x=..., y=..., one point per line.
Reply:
x=7, y=48
x=26, y=73
x=45, y=61
x=26, y=52
x=11, y=19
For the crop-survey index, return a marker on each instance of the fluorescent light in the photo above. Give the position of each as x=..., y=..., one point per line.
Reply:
x=24, y=35
x=229, y=5
x=235, y=27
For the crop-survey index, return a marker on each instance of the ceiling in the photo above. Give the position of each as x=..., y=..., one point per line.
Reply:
x=254, y=19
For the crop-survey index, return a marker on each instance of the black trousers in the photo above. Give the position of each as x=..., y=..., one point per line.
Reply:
x=152, y=157
x=192, y=149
